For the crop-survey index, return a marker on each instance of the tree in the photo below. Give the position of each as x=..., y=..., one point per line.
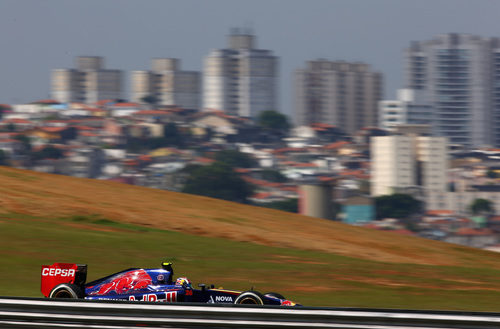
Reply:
x=3, y=158
x=48, y=152
x=3, y=108
x=69, y=134
x=218, y=180
x=150, y=99
x=491, y=174
x=397, y=205
x=481, y=206
x=291, y=205
x=25, y=142
x=273, y=121
x=235, y=159
x=172, y=135
x=273, y=176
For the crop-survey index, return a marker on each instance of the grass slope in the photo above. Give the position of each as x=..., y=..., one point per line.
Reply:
x=46, y=218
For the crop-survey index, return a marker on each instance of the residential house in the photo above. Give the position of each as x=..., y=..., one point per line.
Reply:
x=124, y=109
x=358, y=210
x=10, y=146
x=473, y=237
x=16, y=124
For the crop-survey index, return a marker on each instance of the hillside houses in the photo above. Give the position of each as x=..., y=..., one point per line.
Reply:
x=151, y=146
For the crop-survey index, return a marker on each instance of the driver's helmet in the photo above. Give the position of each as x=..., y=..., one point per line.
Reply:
x=182, y=281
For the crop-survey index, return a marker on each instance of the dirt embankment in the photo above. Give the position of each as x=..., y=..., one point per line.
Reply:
x=40, y=194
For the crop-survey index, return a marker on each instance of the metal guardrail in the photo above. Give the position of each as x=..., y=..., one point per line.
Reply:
x=48, y=313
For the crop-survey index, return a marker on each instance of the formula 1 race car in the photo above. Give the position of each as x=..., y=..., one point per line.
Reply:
x=63, y=280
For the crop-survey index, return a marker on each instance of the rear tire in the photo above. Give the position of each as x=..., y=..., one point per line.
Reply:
x=66, y=290
x=250, y=298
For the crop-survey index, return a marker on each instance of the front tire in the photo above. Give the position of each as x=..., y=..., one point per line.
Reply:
x=66, y=290
x=250, y=298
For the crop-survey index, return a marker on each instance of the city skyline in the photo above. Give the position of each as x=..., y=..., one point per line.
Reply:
x=39, y=36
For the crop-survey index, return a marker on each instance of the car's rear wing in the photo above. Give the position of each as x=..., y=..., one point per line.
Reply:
x=57, y=273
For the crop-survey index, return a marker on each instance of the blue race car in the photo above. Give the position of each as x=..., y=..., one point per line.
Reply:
x=65, y=280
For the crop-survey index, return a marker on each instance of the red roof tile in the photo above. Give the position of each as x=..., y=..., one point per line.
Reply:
x=260, y=182
x=53, y=129
x=336, y=145
x=87, y=134
x=126, y=105
x=262, y=195
x=204, y=160
x=145, y=158
x=8, y=140
x=131, y=162
x=242, y=170
x=17, y=121
x=294, y=189
x=93, y=109
x=440, y=212
x=104, y=102
x=322, y=125
x=305, y=165
x=85, y=128
x=473, y=231
x=351, y=172
x=46, y=101
x=326, y=179
x=86, y=120
x=152, y=112
x=220, y=114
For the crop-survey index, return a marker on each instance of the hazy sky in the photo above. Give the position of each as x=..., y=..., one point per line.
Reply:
x=40, y=35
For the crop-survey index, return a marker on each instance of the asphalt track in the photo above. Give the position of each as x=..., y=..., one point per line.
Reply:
x=49, y=313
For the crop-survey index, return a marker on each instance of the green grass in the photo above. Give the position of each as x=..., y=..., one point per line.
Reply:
x=311, y=278
x=22, y=177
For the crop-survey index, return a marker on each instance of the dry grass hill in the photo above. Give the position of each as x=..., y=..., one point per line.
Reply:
x=30, y=196
x=41, y=194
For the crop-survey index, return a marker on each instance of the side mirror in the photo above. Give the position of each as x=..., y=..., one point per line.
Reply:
x=202, y=286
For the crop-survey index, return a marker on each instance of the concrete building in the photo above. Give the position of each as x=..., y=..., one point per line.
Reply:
x=410, y=107
x=88, y=83
x=460, y=73
x=408, y=161
x=316, y=200
x=241, y=80
x=338, y=93
x=460, y=201
x=358, y=210
x=168, y=84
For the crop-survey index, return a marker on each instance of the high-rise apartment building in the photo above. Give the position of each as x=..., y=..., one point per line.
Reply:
x=410, y=107
x=240, y=80
x=338, y=93
x=168, y=84
x=407, y=161
x=88, y=83
x=460, y=73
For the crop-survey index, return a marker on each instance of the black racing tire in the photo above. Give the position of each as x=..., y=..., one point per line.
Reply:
x=66, y=290
x=250, y=298
x=275, y=295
